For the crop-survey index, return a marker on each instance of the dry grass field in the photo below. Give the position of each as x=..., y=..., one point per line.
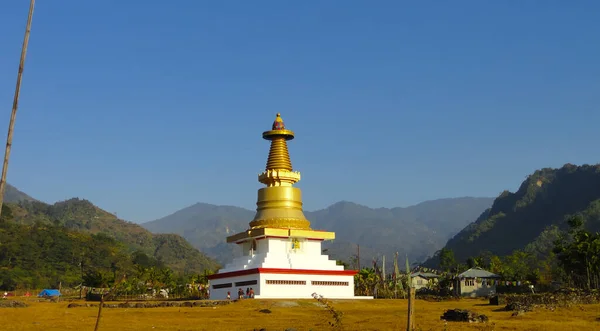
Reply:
x=297, y=314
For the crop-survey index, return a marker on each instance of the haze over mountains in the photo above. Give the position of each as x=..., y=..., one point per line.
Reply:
x=417, y=231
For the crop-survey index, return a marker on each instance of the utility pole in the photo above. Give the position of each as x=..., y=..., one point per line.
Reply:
x=383, y=268
x=11, y=125
x=410, y=325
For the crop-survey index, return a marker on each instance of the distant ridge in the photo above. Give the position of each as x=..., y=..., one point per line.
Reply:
x=417, y=230
x=13, y=195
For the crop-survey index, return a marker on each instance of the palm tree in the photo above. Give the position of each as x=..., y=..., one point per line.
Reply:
x=166, y=278
x=365, y=281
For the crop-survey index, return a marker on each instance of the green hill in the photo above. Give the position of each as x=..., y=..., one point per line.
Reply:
x=535, y=216
x=42, y=255
x=417, y=230
x=82, y=216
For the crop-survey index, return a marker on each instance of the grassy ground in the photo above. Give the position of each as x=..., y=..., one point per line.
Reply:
x=297, y=314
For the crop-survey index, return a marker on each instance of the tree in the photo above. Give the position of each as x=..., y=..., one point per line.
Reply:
x=578, y=254
x=447, y=259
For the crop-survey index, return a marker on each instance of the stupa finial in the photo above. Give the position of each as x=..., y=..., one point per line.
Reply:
x=279, y=157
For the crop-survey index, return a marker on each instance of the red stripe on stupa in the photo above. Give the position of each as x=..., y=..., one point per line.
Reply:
x=284, y=271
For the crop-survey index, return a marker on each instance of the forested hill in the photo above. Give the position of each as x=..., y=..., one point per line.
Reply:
x=534, y=216
x=82, y=216
x=43, y=255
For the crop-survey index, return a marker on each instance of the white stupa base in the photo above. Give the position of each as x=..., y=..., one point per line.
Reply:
x=283, y=268
x=271, y=283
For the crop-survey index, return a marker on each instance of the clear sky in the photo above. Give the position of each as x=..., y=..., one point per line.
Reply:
x=146, y=107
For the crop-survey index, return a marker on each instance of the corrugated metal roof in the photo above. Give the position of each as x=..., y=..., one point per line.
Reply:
x=424, y=275
x=478, y=273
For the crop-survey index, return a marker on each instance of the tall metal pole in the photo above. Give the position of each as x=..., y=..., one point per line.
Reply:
x=13, y=115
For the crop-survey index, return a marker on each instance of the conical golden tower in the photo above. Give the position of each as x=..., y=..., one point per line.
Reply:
x=279, y=204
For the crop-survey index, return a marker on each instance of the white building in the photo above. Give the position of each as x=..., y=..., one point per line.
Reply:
x=421, y=280
x=476, y=282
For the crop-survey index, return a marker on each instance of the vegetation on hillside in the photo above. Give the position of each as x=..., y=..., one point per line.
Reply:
x=546, y=199
x=545, y=233
x=43, y=255
x=81, y=215
x=74, y=242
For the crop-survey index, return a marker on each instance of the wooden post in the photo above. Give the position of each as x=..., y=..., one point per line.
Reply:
x=410, y=325
x=13, y=115
x=99, y=311
x=102, y=300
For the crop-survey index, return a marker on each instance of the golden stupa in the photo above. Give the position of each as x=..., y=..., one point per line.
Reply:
x=279, y=204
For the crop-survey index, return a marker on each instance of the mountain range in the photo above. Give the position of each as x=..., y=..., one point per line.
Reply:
x=529, y=219
x=416, y=231
x=526, y=223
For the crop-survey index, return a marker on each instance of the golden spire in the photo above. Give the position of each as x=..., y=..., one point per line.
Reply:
x=279, y=157
x=279, y=204
x=278, y=171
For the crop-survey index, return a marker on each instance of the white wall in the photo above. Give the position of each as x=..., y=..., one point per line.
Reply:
x=477, y=289
x=305, y=291
x=221, y=293
x=262, y=290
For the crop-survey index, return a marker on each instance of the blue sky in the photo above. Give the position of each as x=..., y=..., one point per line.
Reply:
x=146, y=107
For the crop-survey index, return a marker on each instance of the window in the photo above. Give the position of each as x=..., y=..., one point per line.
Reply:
x=469, y=282
x=246, y=283
x=331, y=283
x=285, y=282
x=225, y=285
